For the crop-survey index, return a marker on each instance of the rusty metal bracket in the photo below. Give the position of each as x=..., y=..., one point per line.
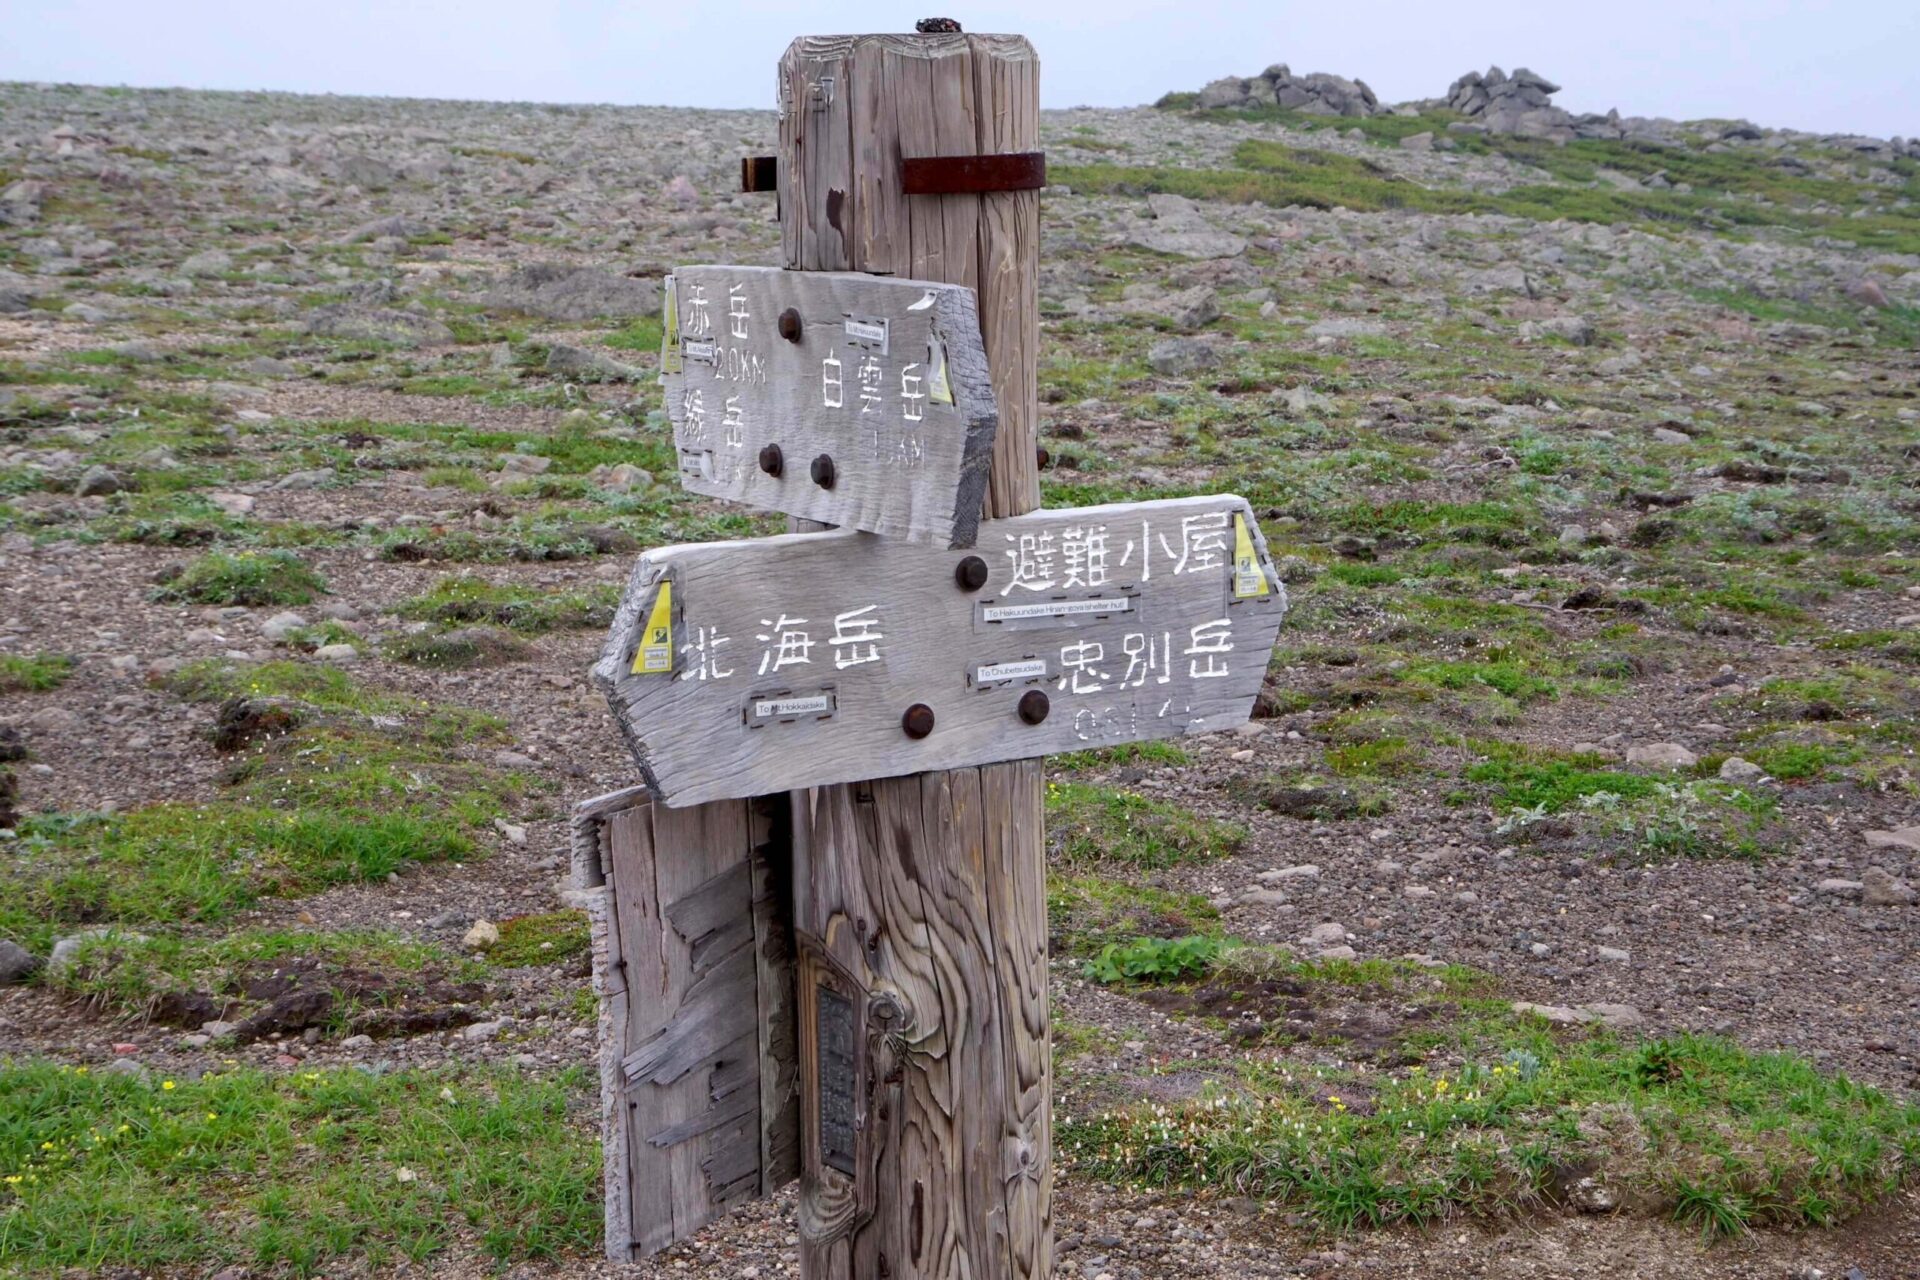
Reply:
x=973, y=175
x=759, y=173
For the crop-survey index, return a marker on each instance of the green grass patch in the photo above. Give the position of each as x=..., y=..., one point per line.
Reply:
x=296, y=1172
x=321, y=805
x=38, y=673
x=1681, y=1123
x=127, y=973
x=1088, y=912
x=1090, y=823
x=547, y=938
x=1548, y=781
x=1161, y=753
x=526, y=607
x=249, y=578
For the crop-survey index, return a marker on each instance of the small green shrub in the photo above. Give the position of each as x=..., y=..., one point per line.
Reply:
x=1154, y=959
x=250, y=578
x=36, y=674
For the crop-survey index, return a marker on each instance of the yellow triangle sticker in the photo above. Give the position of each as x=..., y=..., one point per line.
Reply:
x=653, y=656
x=1249, y=579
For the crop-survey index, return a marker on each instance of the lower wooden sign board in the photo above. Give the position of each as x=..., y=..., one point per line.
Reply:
x=858, y=401
x=744, y=668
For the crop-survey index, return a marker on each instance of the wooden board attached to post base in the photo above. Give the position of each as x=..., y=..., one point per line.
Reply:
x=853, y=400
x=742, y=668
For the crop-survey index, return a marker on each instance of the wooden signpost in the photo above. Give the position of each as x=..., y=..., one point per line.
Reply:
x=820, y=927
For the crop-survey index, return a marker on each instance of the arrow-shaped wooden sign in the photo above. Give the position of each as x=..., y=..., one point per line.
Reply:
x=858, y=401
x=742, y=668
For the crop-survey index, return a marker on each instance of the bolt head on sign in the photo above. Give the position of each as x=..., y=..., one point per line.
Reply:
x=744, y=668
x=876, y=389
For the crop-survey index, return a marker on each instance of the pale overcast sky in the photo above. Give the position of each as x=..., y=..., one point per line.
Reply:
x=1847, y=66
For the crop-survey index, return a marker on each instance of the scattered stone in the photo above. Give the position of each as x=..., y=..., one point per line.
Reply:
x=1615, y=954
x=1417, y=142
x=477, y=1031
x=97, y=482
x=1590, y=1195
x=1327, y=935
x=1836, y=887
x=582, y=365
x=281, y=625
x=303, y=480
x=1316, y=94
x=339, y=654
x=1662, y=755
x=1551, y=1012
x=132, y=1068
x=621, y=477
x=208, y=262
x=1188, y=309
x=1177, y=226
x=1903, y=838
x=358, y=323
x=232, y=504
x=1740, y=772
x=17, y=964
x=482, y=935
x=1878, y=888
x=1176, y=357
x=556, y=291
x=1305, y=871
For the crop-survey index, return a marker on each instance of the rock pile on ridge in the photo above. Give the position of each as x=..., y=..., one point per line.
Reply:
x=1317, y=94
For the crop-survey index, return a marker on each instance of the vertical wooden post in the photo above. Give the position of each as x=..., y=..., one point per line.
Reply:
x=921, y=901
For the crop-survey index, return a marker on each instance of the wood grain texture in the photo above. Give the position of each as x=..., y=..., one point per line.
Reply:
x=694, y=970
x=865, y=879
x=797, y=655
x=932, y=95
x=908, y=420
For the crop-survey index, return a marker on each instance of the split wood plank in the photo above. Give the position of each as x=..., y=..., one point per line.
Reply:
x=697, y=1034
x=884, y=378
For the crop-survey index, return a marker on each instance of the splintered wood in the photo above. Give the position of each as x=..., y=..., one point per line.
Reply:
x=694, y=966
x=844, y=398
x=741, y=668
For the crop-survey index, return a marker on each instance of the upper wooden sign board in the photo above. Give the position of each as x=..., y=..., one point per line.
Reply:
x=742, y=668
x=859, y=401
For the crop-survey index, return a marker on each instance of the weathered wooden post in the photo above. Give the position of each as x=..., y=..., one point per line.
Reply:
x=921, y=901
x=820, y=927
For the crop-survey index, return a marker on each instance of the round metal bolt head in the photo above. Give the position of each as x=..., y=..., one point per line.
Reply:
x=790, y=325
x=971, y=573
x=1034, y=706
x=822, y=471
x=918, y=721
x=771, y=460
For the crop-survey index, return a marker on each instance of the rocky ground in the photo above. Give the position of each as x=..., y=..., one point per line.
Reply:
x=327, y=432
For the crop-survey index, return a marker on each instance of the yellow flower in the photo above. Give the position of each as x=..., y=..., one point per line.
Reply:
x=1440, y=1086
x=213, y=1115
x=46, y=1146
x=167, y=1085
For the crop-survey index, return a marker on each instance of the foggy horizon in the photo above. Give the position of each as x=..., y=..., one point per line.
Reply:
x=1841, y=70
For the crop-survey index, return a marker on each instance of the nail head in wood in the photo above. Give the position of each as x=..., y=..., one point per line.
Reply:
x=971, y=573
x=822, y=471
x=1034, y=706
x=790, y=325
x=771, y=460
x=1042, y=459
x=918, y=721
